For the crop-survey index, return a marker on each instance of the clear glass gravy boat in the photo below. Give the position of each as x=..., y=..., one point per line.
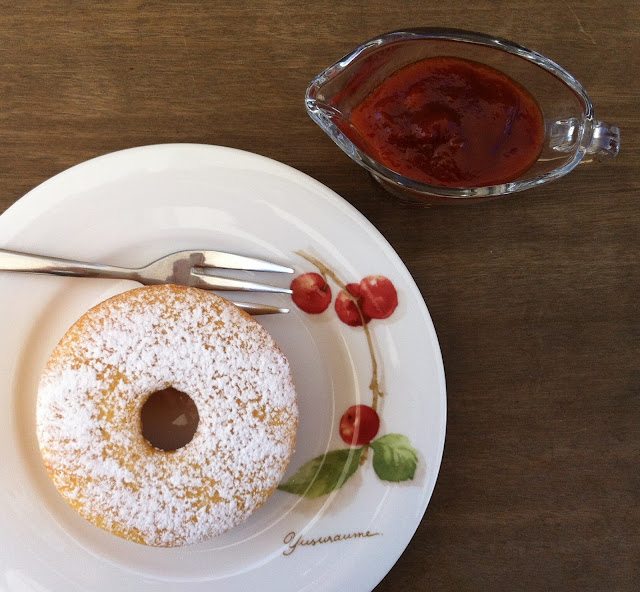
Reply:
x=572, y=134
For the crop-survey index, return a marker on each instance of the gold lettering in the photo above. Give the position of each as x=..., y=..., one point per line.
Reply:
x=292, y=542
x=289, y=540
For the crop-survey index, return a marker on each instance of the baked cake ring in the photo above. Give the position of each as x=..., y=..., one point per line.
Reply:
x=104, y=369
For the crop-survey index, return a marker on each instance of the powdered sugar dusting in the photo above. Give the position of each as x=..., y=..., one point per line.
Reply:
x=99, y=376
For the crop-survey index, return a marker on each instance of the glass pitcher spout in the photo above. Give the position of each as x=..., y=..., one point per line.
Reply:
x=605, y=140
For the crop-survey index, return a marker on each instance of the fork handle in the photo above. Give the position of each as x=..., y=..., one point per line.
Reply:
x=25, y=262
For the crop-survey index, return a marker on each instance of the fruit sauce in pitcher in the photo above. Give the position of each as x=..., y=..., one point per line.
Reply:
x=450, y=122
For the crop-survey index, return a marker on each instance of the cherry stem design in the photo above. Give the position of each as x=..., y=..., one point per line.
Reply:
x=374, y=385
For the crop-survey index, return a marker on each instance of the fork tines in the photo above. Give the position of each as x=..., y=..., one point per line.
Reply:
x=204, y=261
x=231, y=261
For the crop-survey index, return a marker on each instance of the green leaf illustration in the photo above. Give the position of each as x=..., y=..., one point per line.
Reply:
x=394, y=459
x=324, y=473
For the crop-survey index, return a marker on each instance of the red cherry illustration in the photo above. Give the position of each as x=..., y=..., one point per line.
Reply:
x=379, y=296
x=359, y=425
x=311, y=293
x=346, y=308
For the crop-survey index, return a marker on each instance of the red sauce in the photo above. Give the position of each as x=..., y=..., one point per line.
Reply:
x=451, y=122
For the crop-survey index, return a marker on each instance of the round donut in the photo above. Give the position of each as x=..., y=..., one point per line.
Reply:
x=105, y=368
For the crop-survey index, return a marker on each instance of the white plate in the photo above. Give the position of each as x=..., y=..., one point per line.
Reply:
x=128, y=207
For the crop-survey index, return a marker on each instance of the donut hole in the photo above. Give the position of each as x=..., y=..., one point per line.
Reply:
x=169, y=419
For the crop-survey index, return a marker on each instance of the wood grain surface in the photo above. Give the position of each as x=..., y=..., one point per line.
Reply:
x=534, y=297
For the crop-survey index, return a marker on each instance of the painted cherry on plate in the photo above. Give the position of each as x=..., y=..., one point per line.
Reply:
x=379, y=296
x=359, y=425
x=311, y=293
x=346, y=307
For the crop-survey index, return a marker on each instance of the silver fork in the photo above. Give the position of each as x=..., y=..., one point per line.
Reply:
x=184, y=268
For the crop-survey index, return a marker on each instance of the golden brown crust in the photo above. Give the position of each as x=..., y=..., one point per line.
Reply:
x=101, y=373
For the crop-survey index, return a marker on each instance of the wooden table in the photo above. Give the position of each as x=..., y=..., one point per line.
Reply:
x=534, y=297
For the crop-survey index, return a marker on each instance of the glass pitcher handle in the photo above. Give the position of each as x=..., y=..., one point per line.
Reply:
x=605, y=140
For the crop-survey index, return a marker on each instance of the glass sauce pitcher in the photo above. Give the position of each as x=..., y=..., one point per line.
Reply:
x=571, y=135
